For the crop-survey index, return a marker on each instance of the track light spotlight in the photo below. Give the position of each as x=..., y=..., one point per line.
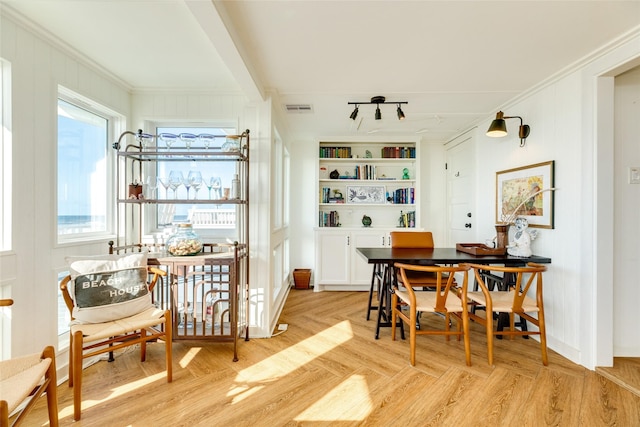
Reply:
x=377, y=100
x=498, y=127
x=354, y=114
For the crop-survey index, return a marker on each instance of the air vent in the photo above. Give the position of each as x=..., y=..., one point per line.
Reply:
x=298, y=108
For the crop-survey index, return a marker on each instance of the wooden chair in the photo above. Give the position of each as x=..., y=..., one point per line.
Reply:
x=27, y=378
x=514, y=301
x=90, y=339
x=446, y=300
x=414, y=240
x=399, y=239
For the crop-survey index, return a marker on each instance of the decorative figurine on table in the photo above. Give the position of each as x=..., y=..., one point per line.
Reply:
x=366, y=221
x=521, y=245
x=405, y=173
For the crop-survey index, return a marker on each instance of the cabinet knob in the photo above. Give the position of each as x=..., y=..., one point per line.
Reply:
x=467, y=225
x=469, y=214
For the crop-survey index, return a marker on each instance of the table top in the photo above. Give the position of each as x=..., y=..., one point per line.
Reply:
x=441, y=256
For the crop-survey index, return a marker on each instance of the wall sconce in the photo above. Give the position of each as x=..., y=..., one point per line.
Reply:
x=498, y=127
x=377, y=100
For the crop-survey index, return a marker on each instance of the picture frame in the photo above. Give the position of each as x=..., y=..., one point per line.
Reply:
x=513, y=186
x=366, y=194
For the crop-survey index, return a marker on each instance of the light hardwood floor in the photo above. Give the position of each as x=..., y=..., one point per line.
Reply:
x=328, y=370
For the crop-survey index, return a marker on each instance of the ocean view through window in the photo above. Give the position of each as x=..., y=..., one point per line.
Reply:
x=83, y=189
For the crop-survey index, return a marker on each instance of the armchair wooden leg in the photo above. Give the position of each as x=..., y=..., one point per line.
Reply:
x=143, y=345
x=412, y=334
x=168, y=331
x=52, y=397
x=76, y=367
x=70, y=360
x=4, y=413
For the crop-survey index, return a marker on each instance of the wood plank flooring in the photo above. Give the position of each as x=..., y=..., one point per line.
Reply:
x=328, y=370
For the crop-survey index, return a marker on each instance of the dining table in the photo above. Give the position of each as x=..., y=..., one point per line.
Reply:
x=384, y=258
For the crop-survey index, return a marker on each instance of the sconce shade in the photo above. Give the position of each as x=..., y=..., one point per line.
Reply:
x=400, y=113
x=498, y=127
x=354, y=114
x=378, y=114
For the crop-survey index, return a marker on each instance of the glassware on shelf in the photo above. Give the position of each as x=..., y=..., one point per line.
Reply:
x=152, y=185
x=231, y=144
x=195, y=180
x=188, y=139
x=176, y=179
x=216, y=184
x=184, y=242
x=168, y=138
x=207, y=140
x=164, y=181
x=145, y=140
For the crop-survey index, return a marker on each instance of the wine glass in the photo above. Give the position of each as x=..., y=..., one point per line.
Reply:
x=216, y=183
x=206, y=139
x=195, y=179
x=176, y=179
x=164, y=181
x=152, y=184
x=188, y=139
x=145, y=140
x=168, y=139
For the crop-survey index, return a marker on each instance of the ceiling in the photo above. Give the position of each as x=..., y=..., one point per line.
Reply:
x=455, y=62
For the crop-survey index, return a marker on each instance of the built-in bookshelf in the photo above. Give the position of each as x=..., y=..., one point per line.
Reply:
x=376, y=179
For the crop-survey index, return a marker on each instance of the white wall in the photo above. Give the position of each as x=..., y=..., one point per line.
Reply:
x=29, y=271
x=626, y=292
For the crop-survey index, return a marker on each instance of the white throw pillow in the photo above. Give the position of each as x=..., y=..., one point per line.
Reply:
x=108, y=287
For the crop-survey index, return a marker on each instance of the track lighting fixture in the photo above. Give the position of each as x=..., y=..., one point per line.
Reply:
x=498, y=127
x=354, y=114
x=377, y=100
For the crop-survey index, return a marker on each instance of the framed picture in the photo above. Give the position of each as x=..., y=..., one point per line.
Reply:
x=526, y=192
x=366, y=194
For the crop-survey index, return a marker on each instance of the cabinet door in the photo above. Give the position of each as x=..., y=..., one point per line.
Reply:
x=333, y=258
x=360, y=270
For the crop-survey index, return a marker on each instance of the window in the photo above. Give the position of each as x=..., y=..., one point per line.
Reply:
x=84, y=175
x=5, y=157
x=209, y=170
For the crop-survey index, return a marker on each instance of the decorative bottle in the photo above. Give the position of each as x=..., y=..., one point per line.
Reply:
x=235, y=187
x=184, y=242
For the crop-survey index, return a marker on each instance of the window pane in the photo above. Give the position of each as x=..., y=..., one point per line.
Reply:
x=223, y=170
x=82, y=170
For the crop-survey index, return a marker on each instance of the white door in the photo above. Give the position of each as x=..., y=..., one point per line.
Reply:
x=460, y=192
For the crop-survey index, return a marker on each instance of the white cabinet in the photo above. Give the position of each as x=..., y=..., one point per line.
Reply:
x=338, y=265
x=332, y=258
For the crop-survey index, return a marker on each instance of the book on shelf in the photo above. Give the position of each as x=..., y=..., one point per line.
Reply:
x=335, y=152
x=329, y=219
x=402, y=196
x=407, y=219
x=398, y=153
x=366, y=172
